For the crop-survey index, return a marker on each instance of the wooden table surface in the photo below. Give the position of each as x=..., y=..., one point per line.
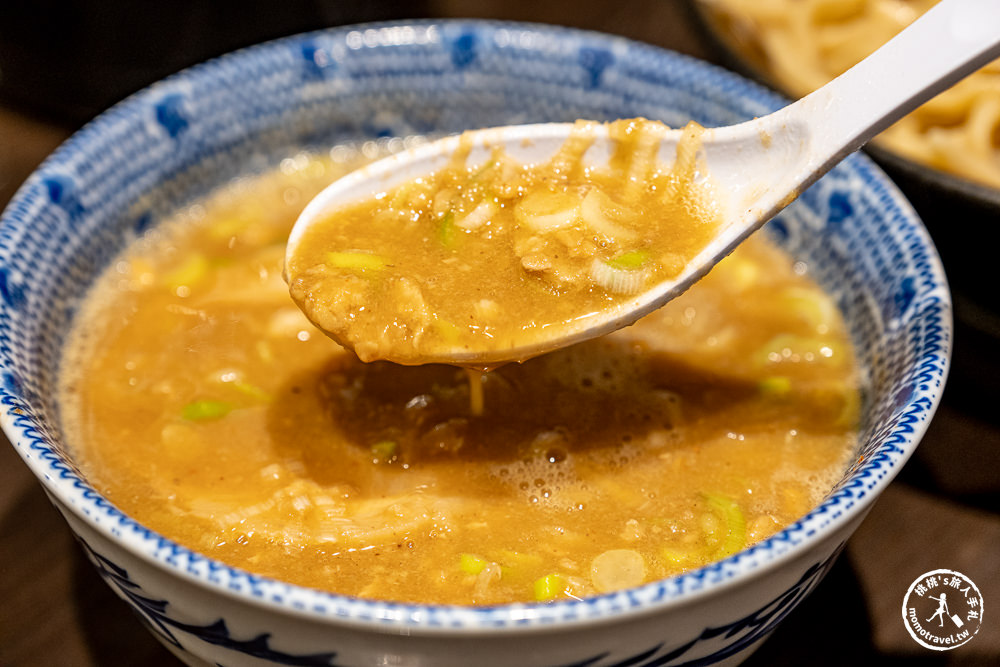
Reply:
x=943, y=511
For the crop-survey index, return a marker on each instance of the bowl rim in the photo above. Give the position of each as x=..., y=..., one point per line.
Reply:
x=845, y=505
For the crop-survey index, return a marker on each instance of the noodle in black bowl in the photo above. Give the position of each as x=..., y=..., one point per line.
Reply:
x=175, y=141
x=944, y=161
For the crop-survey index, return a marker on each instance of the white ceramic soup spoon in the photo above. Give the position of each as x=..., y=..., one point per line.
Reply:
x=761, y=165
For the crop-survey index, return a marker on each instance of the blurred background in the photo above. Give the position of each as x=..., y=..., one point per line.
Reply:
x=64, y=61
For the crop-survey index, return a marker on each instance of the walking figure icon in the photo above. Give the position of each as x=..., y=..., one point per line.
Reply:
x=942, y=610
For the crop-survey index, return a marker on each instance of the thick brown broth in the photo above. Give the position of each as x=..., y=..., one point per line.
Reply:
x=202, y=402
x=497, y=256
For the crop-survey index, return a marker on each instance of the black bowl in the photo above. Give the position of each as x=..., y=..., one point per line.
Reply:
x=959, y=214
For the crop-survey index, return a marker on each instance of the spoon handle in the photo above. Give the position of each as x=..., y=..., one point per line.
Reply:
x=951, y=40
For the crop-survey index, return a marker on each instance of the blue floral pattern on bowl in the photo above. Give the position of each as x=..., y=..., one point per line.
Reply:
x=241, y=113
x=742, y=632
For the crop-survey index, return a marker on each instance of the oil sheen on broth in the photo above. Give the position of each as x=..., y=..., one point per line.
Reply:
x=495, y=256
x=205, y=405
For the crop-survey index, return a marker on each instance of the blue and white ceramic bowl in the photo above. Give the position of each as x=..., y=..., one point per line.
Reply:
x=181, y=137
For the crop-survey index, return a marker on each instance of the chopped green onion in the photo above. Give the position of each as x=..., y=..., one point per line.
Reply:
x=449, y=332
x=355, y=261
x=775, y=385
x=471, y=564
x=446, y=229
x=482, y=170
x=192, y=271
x=629, y=261
x=384, y=450
x=252, y=390
x=548, y=587
x=724, y=527
x=617, y=280
x=681, y=558
x=734, y=524
x=205, y=409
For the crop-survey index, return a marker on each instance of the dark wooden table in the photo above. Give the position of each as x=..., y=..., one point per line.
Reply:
x=943, y=511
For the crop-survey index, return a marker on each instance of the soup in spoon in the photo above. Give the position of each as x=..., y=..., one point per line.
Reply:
x=495, y=256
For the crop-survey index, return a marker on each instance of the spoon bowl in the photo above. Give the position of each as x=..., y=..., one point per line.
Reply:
x=756, y=168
